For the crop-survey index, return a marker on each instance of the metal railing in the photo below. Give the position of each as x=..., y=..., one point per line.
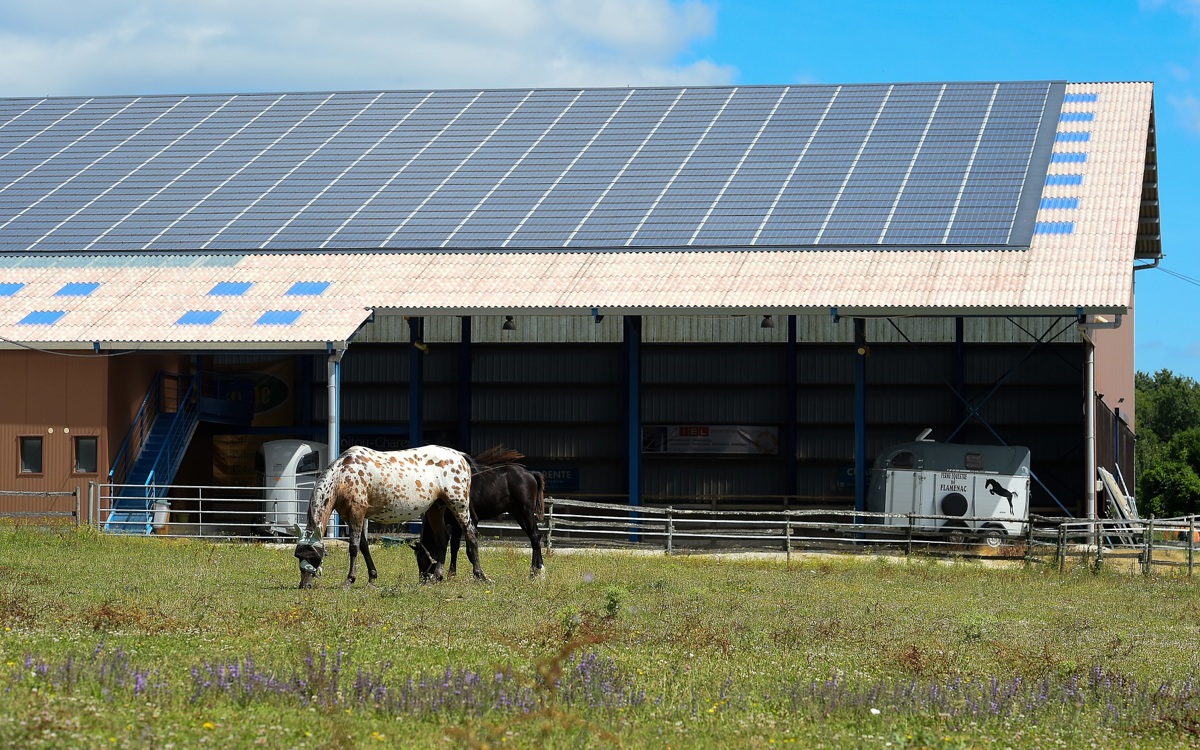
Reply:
x=241, y=514
x=158, y=399
x=7, y=498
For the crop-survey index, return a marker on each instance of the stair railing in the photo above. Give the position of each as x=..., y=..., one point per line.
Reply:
x=183, y=426
x=138, y=431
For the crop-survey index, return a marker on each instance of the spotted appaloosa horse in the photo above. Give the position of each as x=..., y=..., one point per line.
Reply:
x=500, y=485
x=388, y=487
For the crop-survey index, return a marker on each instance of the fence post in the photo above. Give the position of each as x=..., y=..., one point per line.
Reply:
x=1029, y=541
x=91, y=501
x=1099, y=544
x=550, y=525
x=78, y=505
x=1062, y=547
x=908, y=544
x=787, y=528
x=670, y=530
x=1148, y=553
x=1191, y=543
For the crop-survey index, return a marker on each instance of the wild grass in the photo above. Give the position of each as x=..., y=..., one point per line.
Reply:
x=113, y=641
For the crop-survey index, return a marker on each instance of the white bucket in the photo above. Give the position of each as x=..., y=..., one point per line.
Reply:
x=161, y=510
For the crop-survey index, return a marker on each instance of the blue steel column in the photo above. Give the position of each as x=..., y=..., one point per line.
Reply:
x=960, y=366
x=416, y=384
x=860, y=415
x=633, y=389
x=791, y=430
x=464, y=386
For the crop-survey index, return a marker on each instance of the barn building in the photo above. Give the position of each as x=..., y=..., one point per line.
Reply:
x=734, y=296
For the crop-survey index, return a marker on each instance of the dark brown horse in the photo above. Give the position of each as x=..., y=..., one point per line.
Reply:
x=389, y=487
x=500, y=485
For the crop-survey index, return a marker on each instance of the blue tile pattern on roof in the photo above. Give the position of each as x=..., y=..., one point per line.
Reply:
x=1079, y=98
x=1073, y=136
x=1054, y=227
x=308, y=288
x=1064, y=179
x=77, y=289
x=1059, y=203
x=278, y=318
x=42, y=318
x=198, y=318
x=697, y=167
x=1069, y=157
x=1077, y=117
x=9, y=288
x=230, y=289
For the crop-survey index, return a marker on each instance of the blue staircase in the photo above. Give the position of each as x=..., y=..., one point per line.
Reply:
x=152, y=452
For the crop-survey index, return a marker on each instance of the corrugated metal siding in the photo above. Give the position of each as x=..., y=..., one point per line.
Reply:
x=704, y=329
x=564, y=406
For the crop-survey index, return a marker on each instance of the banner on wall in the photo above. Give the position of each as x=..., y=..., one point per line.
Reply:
x=270, y=384
x=714, y=438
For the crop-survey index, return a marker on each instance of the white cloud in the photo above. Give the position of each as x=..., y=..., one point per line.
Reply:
x=61, y=47
x=1188, y=108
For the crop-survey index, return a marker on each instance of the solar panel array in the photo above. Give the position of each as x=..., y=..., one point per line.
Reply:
x=767, y=166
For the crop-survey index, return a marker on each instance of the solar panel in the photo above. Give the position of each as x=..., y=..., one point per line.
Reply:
x=711, y=167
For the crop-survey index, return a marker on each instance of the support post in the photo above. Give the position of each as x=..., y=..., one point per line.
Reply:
x=633, y=390
x=464, y=386
x=333, y=382
x=861, y=352
x=791, y=429
x=960, y=368
x=416, y=383
x=1089, y=426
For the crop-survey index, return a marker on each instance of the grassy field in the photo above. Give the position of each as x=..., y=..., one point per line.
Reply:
x=135, y=642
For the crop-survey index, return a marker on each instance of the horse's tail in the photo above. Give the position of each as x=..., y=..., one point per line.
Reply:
x=472, y=462
x=498, y=454
x=539, y=506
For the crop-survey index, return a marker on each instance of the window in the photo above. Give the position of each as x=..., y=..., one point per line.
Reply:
x=902, y=460
x=311, y=463
x=85, y=454
x=31, y=455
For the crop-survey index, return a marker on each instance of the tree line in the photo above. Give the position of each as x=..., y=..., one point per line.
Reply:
x=1168, y=444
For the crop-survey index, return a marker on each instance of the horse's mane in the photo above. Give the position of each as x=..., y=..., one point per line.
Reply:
x=498, y=455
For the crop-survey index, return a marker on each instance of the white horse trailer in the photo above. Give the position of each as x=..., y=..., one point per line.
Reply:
x=287, y=472
x=960, y=492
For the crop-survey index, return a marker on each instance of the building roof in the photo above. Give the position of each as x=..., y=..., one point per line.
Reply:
x=284, y=219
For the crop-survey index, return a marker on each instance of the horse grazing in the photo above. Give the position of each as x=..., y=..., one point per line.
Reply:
x=499, y=486
x=387, y=487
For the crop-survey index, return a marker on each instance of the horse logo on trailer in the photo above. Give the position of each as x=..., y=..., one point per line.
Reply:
x=997, y=489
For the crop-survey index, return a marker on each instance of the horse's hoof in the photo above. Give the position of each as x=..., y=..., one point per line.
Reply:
x=537, y=574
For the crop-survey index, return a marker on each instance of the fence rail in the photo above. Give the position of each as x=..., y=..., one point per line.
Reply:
x=240, y=514
x=7, y=501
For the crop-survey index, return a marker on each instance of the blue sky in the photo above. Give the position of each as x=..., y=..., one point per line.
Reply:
x=69, y=47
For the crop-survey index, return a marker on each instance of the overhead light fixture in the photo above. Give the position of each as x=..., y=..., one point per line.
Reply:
x=509, y=325
x=767, y=322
